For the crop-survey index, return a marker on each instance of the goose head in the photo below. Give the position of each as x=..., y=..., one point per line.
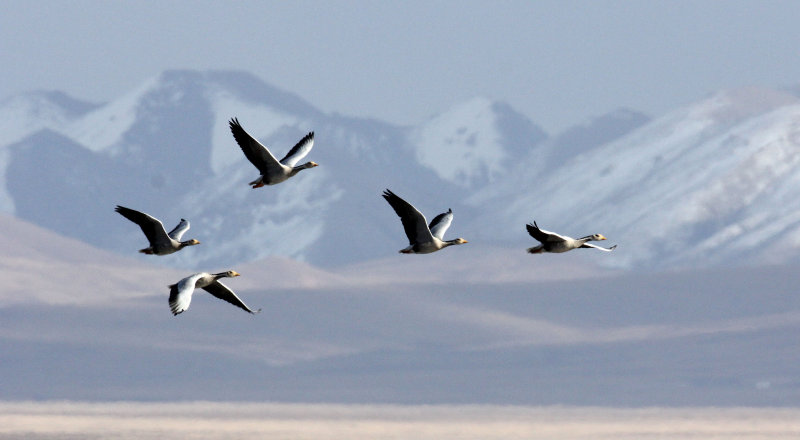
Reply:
x=302, y=167
x=227, y=274
x=456, y=241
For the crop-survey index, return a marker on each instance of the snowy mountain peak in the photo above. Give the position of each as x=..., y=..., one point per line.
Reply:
x=734, y=105
x=23, y=114
x=474, y=142
x=710, y=183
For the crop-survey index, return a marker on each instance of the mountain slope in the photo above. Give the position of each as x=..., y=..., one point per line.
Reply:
x=705, y=185
x=709, y=184
x=474, y=143
x=165, y=149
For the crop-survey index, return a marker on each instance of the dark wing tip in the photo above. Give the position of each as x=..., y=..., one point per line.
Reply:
x=533, y=230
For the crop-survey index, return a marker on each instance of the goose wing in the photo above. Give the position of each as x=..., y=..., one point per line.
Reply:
x=256, y=153
x=224, y=293
x=299, y=151
x=589, y=245
x=440, y=223
x=152, y=227
x=544, y=236
x=414, y=222
x=177, y=233
x=180, y=294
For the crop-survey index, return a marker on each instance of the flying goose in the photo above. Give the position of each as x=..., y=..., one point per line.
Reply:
x=180, y=293
x=272, y=171
x=556, y=243
x=422, y=238
x=161, y=243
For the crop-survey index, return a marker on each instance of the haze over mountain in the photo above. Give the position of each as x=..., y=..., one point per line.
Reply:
x=84, y=324
x=707, y=184
x=346, y=318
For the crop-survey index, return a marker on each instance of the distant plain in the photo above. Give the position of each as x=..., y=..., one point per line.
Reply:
x=230, y=421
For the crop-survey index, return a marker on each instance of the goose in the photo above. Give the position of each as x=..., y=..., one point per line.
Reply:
x=422, y=238
x=272, y=171
x=556, y=243
x=180, y=293
x=161, y=243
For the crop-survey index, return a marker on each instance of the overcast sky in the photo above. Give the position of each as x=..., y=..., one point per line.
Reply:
x=559, y=62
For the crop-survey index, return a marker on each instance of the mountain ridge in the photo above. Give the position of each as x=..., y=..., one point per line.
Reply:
x=666, y=189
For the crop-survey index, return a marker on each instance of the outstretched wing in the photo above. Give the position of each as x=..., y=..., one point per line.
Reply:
x=544, y=236
x=152, y=227
x=414, y=222
x=299, y=151
x=440, y=223
x=177, y=233
x=180, y=294
x=589, y=245
x=256, y=153
x=222, y=292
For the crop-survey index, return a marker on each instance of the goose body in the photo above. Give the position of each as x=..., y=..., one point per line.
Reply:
x=161, y=242
x=557, y=243
x=272, y=170
x=180, y=293
x=422, y=238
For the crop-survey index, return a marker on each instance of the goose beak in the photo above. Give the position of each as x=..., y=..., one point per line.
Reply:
x=314, y=164
x=234, y=273
x=602, y=238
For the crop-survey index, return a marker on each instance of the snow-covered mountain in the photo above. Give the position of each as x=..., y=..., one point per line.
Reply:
x=474, y=143
x=712, y=183
x=165, y=148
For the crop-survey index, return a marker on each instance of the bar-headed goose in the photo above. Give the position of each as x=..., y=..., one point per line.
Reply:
x=180, y=293
x=556, y=243
x=422, y=238
x=272, y=171
x=161, y=243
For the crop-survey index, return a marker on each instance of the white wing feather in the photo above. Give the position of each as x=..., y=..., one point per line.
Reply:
x=299, y=151
x=554, y=234
x=177, y=233
x=599, y=247
x=181, y=295
x=441, y=224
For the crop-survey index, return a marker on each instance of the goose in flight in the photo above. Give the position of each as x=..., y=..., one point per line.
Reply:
x=180, y=293
x=422, y=238
x=556, y=243
x=272, y=171
x=161, y=242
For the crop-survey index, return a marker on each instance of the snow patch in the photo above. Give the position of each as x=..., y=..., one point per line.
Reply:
x=104, y=127
x=462, y=144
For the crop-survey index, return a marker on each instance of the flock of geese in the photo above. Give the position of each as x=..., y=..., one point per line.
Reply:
x=423, y=238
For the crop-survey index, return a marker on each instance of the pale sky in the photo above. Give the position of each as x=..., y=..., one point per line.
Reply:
x=558, y=62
